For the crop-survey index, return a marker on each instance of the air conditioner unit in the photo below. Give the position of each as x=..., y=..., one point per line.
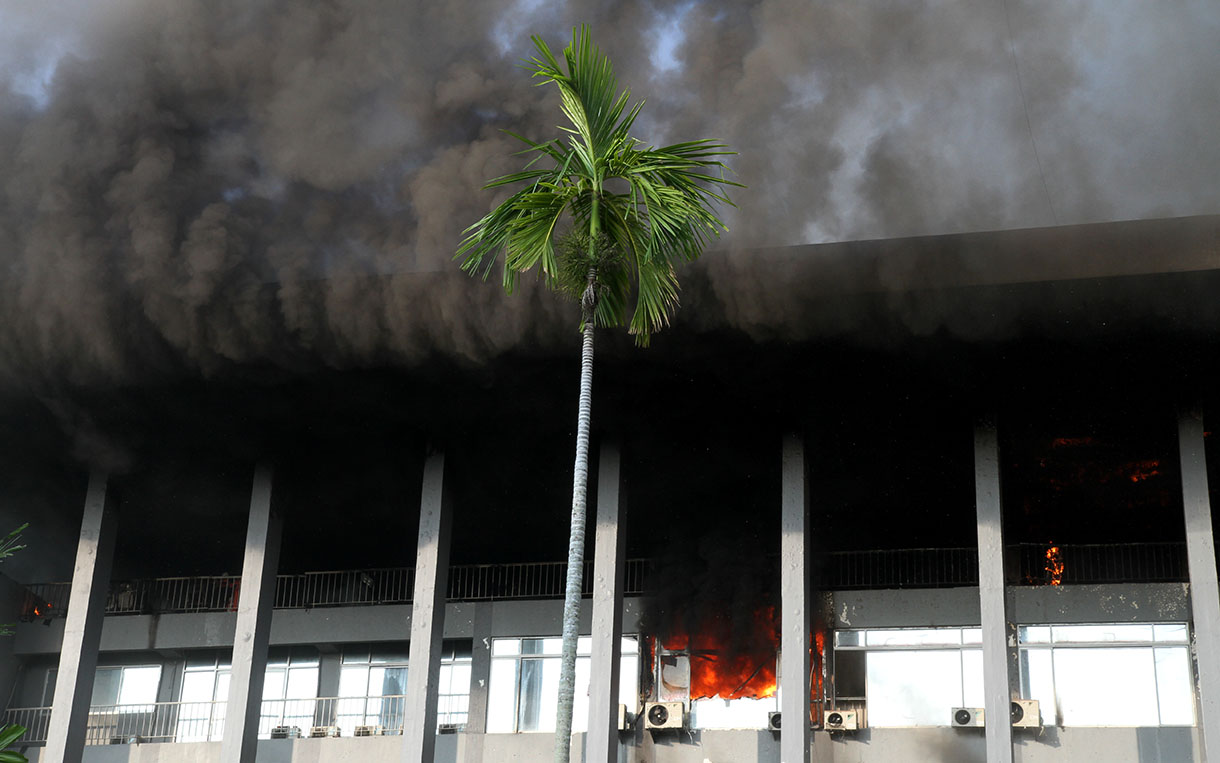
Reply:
x=841, y=720
x=126, y=739
x=773, y=721
x=1026, y=714
x=624, y=718
x=664, y=715
x=286, y=732
x=449, y=728
x=967, y=717
x=321, y=732
x=367, y=731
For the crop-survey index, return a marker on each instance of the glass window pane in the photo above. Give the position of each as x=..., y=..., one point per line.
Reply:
x=302, y=683
x=1106, y=686
x=630, y=645
x=629, y=681
x=1038, y=682
x=502, y=697
x=391, y=655
x=848, y=638
x=139, y=685
x=353, y=681
x=273, y=683
x=849, y=674
x=222, y=686
x=355, y=655
x=580, y=699
x=584, y=645
x=914, y=637
x=552, y=646
x=459, y=680
x=1174, y=686
x=539, y=695
x=197, y=687
x=1114, y=633
x=393, y=682
x=717, y=713
x=972, y=635
x=913, y=688
x=505, y=646
x=201, y=662
x=106, y=686
x=1035, y=634
x=1172, y=632
x=972, y=678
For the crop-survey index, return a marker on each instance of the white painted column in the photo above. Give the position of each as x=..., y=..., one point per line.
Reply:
x=795, y=603
x=253, y=632
x=601, y=742
x=427, y=614
x=1204, y=590
x=83, y=629
x=997, y=690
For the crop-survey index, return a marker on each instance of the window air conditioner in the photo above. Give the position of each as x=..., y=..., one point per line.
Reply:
x=841, y=720
x=664, y=715
x=367, y=731
x=449, y=728
x=320, y=732
x=773, y=721
x=1026, y=714
x=967, y=717
x=286, y=732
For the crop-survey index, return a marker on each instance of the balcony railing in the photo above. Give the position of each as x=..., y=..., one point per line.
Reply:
x=395, y=585
x=204, y=721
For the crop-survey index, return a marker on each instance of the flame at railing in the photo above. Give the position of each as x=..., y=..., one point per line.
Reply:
x=1054, y=565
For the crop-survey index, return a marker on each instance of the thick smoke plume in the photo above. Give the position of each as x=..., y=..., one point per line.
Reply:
x=192, y=187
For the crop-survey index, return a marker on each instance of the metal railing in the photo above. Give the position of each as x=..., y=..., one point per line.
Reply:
x=1103, y=563
x=901, y=568
x=339, y=588
x=204, y=721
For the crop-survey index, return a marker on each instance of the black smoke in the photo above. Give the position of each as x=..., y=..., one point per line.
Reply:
x=201, y=188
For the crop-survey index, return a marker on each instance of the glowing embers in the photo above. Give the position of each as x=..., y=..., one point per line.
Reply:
x=725, y=656
x=1054, y=565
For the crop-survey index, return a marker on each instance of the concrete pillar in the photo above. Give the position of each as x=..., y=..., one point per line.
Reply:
x=83, y=629
x=427, y=614
x=330, y=665
x=997, y=688
x=609, y=563
x=795, y=603
x=480, y=668
x=255, y=598
x=1201, y=563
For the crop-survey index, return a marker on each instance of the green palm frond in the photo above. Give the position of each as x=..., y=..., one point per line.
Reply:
x=664, y=216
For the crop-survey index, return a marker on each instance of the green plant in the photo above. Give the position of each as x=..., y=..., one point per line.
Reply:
x=634, y=213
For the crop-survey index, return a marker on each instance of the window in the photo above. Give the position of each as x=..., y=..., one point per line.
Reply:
x=910, y=677
x=1135, y=674
x=290, y=690
x=525, y=683
x=205, y=690
x=373, y=682
x=122, y=689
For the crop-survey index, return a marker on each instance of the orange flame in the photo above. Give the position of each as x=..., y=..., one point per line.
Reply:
x=728, y=658
x=1054, y=565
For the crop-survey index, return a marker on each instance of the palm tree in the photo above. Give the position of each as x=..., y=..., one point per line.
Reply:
x=604, y=218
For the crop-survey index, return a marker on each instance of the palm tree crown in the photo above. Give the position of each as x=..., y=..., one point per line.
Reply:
x=637, y=228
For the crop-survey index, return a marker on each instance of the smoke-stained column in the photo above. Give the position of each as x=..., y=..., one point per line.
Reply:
x=997, y=689
x=83, y=629
x=1201, y=562
x=601, y=743
x=253, y=632
x=795, y=603
x=427, y=614
x=480, y=668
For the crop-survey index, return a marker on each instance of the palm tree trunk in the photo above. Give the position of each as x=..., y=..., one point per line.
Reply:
x=576, y=538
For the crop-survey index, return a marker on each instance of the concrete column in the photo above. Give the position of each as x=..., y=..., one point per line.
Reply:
x=427, y=614
x=601, y=742
x=795, y=603
x=480, y=668
x=83, y=629
x=1201, y=563
x=997, y=689
x=330, y=665
x=255, y=598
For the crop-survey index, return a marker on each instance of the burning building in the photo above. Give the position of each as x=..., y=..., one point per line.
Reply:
x=891, y=486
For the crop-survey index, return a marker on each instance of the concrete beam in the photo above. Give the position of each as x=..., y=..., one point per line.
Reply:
x=1201, y=564
x=253, y=631
x=83, y=629
x=795, y=604
x=609, y=562
x=427, y=614
x=997, y=689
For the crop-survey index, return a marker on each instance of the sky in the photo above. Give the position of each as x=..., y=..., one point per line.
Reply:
x=202, y=185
